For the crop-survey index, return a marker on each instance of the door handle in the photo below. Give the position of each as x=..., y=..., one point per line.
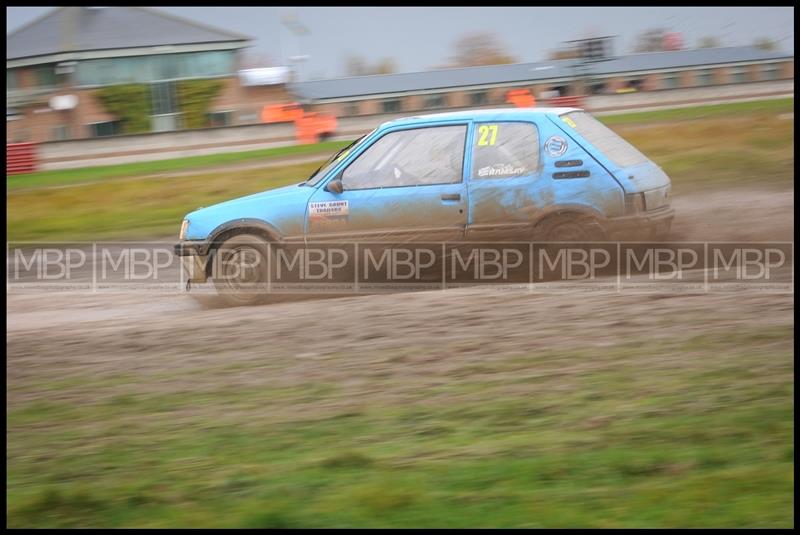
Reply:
x=451, y=196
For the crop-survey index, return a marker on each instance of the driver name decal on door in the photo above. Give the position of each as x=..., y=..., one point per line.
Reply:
x=328, y=209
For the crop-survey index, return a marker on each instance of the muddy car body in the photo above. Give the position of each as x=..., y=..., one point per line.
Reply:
x=547, y=174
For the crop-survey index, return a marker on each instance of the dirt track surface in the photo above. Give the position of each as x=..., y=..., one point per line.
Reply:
x=348, y=340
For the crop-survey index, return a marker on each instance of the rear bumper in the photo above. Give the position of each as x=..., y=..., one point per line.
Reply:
x=645, y=225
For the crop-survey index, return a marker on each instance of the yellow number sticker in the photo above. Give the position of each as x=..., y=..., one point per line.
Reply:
x=487, y=138
x=568, y=121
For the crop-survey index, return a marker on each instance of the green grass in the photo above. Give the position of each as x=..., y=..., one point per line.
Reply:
x=712, y=146
x=105, y=172
x=653, y=432
x=747, y=145
x=133, y=209
x=772, y=106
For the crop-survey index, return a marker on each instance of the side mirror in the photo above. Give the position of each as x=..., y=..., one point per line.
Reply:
x=335, y=186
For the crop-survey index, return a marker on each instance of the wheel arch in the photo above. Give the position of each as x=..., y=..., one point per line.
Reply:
x=565, y=210
x=237, y=227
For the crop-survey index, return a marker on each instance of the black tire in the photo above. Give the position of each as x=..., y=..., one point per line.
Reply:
x=574, y=228
x=241, y=270
x=569, y=227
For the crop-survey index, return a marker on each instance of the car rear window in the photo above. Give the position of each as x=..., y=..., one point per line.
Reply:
x=604, y=139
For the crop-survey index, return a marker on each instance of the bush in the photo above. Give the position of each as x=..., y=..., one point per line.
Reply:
x=130, y=103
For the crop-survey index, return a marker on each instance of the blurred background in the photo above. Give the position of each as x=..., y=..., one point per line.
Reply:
x=86, y=73
x=426, y=409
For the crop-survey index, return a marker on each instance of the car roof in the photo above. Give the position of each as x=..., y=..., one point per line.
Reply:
x=495, y=114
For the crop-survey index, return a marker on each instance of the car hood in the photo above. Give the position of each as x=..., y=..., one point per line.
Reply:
x=268, y=206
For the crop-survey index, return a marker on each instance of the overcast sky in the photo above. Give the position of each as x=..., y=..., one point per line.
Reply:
x=419, y=38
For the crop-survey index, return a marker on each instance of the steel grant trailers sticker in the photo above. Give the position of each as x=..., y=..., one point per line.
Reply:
x=328, y=209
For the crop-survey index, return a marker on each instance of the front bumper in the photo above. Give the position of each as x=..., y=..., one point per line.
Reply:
x=654, y=224
x=194, y=257
x=192, y=248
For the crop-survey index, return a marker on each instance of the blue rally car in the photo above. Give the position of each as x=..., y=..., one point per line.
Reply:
x=542, y=174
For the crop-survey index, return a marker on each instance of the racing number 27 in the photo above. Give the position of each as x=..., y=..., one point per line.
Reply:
x=487, y=138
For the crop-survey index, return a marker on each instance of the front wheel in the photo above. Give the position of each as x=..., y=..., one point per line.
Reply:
x=241, y=270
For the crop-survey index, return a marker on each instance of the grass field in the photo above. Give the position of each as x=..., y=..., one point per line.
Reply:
x=104, y=172
x=671, y=431
x=729, y=144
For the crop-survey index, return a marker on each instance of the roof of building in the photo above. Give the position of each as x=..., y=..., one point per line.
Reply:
x=359, y=86
x=74, y=29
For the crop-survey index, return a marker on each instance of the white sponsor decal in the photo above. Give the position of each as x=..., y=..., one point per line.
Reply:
x=500, y=170
x=328, y=208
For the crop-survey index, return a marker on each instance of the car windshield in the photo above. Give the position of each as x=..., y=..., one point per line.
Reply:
x=322, y=170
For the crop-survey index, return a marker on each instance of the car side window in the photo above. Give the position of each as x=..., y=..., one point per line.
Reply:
x=422, y=156
x=504, y=150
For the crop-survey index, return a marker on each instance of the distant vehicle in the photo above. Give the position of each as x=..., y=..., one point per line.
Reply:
x=310, y=127
x=547, y=174
x=521, y=98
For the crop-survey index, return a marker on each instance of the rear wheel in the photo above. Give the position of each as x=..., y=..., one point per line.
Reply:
x=241, y=270
x=574, y=228
x=569, y=228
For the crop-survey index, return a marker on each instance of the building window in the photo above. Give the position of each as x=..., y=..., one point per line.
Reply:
x=434, y=101
x=60, y=133
x=703, y=78
x=478, y=98
x=769, y=72
x=391, y=105
x=351, y=108
x=154, y=68
x=220, y=118
x=164, y=98
x=11, y=79
x=597, y=88
x=738, y=75
x=670, y=81
x=45, y=76
x=105, y=129
x=635, y=84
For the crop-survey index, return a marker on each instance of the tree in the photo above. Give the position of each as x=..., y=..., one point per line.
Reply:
x=765, y=43
x=564, y=53
x=480, y=48
x=651, y=40
x=357, y=66
x=708, y=42
x=384, y=66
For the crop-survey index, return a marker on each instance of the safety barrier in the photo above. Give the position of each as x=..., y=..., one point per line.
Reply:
x=20, y=158
x=566, y=102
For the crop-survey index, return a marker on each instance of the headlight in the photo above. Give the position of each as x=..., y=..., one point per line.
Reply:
x=184, y=228
x=634, y=203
